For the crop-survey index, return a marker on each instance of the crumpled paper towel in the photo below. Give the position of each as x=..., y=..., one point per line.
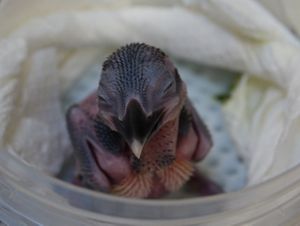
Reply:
x=45, y=45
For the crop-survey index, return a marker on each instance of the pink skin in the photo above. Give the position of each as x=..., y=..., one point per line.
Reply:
x=105, y=170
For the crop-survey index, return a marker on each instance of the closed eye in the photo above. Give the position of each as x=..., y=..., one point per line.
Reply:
x=102, y=99
x=168, y=87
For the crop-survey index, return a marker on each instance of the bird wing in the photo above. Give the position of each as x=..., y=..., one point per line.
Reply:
x=98, y=149
x=194, y=139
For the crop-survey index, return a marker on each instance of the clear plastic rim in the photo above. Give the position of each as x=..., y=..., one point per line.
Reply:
x=11, y=166
x=197, y=208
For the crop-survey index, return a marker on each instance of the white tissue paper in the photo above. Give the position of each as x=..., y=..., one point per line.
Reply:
x=45, y=47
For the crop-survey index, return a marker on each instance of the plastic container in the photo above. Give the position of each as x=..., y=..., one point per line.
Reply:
x=28, y=197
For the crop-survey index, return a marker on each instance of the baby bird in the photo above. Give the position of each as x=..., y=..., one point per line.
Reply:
x=137, y=135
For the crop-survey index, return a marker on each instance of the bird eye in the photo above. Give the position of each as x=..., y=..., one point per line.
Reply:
x=168, y=87
x=102, y=99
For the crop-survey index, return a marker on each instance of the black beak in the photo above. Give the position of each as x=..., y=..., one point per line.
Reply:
x=136, y=127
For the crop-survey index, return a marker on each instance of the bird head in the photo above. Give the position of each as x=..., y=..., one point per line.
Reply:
x=139, y=91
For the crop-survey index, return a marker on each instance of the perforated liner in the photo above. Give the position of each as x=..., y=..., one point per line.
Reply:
x=222, y=164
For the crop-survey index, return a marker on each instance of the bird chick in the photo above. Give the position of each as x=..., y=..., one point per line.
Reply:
x=137, y=135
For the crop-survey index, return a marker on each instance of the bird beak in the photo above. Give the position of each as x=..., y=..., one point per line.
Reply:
x=137, y=148
x=136, y=127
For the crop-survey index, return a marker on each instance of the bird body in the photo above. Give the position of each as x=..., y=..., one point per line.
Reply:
x=138, y=135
